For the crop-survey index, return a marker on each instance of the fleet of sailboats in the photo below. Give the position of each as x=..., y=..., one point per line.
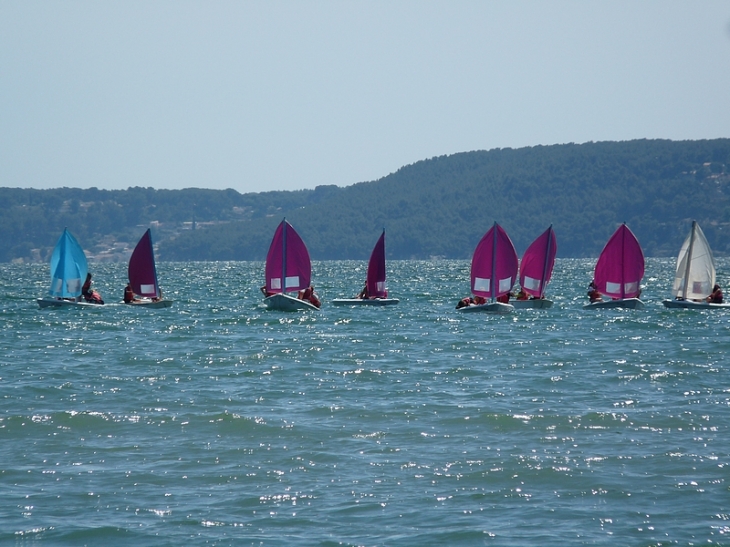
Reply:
x=617, y=278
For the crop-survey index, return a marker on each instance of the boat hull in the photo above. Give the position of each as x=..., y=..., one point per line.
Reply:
x=51, y=302
x=165, y=303
x=284, y=302
x=689, y=304
x=625, y=303
x=535, y=303
x=491, y=307
x=365, y=301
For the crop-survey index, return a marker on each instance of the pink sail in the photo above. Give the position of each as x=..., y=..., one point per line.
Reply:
x=494, y=265
x=376, y=270
x=620, y=267
x=288, y=260
x=142, y=271
x=537, y=264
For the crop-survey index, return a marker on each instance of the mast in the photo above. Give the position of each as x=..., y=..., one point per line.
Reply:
x=545, y=262
x=283, y=257
x=689, y=259
x=623, y=261
x=494, y=263
x=154, y=266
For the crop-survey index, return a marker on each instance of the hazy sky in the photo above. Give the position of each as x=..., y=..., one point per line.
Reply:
x=284, y=95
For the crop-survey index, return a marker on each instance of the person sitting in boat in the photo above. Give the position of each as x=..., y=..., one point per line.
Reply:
x=593, y=294
x=265, y=292
x=521, y=295
x=504, y=299
x=716, y=295
x=310, y=296
x=89, y=294
x=129, y=296
x=465, y=302
x=363, y=294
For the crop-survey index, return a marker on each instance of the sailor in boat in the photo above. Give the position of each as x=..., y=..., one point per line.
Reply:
x=471, y=301
x=265, y=292
x=363, y=294
x=716, y=295
x=593, y=294
x=89, y=294
x=310, y=296
x=129, y=296
x=521, y=295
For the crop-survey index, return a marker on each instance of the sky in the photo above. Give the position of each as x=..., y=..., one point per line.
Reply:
x=292, y=94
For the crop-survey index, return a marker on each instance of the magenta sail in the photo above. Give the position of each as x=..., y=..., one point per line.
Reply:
x=537, y=264
x=376, y=270
x=494, y=265
x=620, y=267
x=288, y=267
x=142, y=271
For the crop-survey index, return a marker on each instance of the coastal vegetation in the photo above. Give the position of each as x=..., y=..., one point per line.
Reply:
x=439, y=207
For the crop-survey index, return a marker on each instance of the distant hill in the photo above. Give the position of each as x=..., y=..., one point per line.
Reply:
x=436, y=207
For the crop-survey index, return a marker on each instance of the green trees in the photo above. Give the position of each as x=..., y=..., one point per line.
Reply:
x=436, y=207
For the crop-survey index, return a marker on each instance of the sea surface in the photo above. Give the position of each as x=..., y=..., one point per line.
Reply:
x=216, y=422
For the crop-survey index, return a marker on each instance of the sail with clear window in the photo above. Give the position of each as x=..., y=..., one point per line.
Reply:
x=536, y=267
x=494, y=264
x=620, y=267
x=695, y=275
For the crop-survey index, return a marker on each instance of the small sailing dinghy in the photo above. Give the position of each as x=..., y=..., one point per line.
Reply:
x=68, y=273
x=375, y=292
x=619, y=271
x=695, y=275
x=493, y=272
x=536, y=269
x=142, y=273
x=288, y=268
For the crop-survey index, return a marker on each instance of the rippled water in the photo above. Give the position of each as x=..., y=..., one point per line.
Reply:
x=218, y=422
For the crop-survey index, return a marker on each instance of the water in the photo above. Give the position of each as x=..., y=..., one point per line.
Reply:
x=216, y=422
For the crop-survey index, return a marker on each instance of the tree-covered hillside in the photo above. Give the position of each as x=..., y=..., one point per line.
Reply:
x=436, y=207
x=442, y=206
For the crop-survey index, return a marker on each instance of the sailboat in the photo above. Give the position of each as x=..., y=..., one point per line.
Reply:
x=619, y=271
x=493, y=271
x=68, y=272
x=288, y=268
x=695, y=276
x=376, y=293
x=142, y=274
x=536, y=269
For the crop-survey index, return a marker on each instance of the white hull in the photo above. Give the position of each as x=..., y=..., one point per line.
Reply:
x=535, y=303
x=626, y=303
x=491, y=307
x=51, y=302
x=147, y=303
x=689, y=304
x=284, y=302
x=365, y=301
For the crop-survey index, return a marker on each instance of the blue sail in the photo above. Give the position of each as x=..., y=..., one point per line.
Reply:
x=68, y=267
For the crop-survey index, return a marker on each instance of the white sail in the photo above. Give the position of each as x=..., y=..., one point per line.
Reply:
x=695, y=275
